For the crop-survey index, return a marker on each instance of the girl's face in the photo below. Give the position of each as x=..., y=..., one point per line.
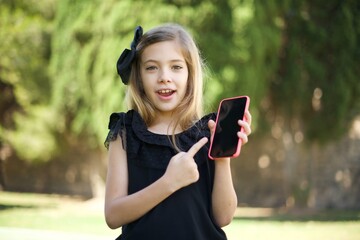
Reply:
x=164, y=74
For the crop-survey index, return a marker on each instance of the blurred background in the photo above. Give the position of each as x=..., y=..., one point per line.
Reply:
x=297, y=60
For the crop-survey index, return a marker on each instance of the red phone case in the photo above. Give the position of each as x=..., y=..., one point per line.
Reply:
x=216, y=123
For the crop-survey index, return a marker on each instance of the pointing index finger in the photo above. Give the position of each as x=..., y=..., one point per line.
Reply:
x=197, y=146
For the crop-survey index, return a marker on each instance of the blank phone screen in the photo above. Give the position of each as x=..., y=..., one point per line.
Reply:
x=225, y=141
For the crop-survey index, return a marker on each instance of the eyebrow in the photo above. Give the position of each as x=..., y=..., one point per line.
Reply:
x=172, y=61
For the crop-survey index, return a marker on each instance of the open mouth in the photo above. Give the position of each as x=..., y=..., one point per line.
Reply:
x=165, y=92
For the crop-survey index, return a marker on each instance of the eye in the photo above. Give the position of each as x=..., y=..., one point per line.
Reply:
x=150, y=68
x=177, y=67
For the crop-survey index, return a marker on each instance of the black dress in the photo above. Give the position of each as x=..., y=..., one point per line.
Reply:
x=187, y=213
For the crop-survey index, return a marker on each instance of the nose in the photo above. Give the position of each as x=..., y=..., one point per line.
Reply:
x=164, y=76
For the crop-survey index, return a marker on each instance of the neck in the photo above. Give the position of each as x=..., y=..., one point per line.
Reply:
x=164, y=124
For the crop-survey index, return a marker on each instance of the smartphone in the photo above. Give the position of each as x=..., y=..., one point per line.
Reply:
x=225, y=142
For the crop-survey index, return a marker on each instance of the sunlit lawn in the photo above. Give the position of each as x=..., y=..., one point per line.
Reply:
x=64, y=214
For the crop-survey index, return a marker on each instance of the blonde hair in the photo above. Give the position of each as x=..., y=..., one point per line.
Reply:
x=191, y=108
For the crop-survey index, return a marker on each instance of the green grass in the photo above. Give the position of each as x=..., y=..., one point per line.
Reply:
x=72, y=215
x=52, y=212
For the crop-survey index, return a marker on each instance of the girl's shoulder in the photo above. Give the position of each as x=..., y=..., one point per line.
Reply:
x=118, y=122
x=203, y=122
x=209, y=116
x=120, y=117
x=200, y=128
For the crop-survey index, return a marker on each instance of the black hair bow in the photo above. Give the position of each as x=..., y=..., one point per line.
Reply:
x=127, y=56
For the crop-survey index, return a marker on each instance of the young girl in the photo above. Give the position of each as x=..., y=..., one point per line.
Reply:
x=160, y=182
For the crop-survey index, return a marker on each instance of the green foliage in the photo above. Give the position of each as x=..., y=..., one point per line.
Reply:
x=295, y=59
x=35, y=138
x=25, y=51
x=319, y=54
x=25, y=48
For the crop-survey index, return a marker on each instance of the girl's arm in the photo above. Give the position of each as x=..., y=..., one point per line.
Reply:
x=121, y=208
x=224, y=199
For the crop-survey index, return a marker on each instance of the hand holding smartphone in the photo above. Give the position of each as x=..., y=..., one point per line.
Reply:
x=224, y=141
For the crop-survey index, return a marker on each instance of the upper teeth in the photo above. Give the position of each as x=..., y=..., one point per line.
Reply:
x=165, y=91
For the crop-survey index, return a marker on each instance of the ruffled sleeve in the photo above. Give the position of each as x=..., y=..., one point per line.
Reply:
x=116, y=128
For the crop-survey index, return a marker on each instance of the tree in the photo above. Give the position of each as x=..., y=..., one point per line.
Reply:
x=25, y=50
x=317, y=76
x=293, y=59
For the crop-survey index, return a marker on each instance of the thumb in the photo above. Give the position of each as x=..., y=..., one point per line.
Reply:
x=211, y=126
